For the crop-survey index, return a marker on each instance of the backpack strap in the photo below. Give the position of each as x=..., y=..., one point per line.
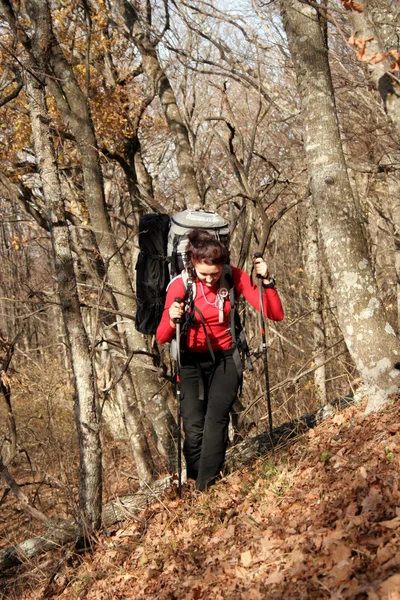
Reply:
x=226, y=283
x=239, y=342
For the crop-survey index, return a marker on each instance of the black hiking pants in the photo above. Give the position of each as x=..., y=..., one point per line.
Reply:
x=208, y=392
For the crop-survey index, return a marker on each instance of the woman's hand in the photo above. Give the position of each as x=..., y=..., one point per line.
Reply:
x=176, y=311
x=261, y=267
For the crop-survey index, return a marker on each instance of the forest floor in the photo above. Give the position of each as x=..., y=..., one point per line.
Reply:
x=318, y=519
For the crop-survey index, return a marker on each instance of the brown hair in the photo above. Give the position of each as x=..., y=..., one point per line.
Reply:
x=204, y=247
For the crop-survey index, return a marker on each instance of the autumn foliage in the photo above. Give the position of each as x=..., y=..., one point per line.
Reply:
x=317, y=520
x=373, y=58
x=351, y=5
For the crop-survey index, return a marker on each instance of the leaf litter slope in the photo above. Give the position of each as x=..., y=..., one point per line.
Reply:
x=320, y=519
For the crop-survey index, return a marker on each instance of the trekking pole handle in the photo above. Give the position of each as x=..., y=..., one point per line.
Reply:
x=258, y=255
x=179, y=300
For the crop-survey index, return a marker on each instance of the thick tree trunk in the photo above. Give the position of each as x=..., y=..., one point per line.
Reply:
x=370, y=339
x=86, y=415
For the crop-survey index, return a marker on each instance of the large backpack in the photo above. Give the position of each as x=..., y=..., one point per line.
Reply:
x=185, y=221
x=162, y=243
x=152, y=273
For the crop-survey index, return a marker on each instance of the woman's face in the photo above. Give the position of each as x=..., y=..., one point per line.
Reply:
x=207, y=274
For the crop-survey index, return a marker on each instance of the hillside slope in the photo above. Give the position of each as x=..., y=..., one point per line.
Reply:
x=319, y=519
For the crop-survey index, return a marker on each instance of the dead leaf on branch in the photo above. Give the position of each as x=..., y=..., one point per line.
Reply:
x=377, y=57
x=361, y=45
x=374, y=57
x=4, y=379
x=394, y=65
x=350, y=5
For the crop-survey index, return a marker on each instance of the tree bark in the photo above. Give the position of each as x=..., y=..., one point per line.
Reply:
x=364, y=26
x=312, y=267
x=74, y=108
x=6, y=352
x=386, y=21
x=86, y=415
x=370, y=339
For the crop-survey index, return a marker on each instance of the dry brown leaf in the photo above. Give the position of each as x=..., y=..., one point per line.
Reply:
x=240, y=572
x=253, y=594
x=246, y=558
x=223, y=533
x=359, y=42
x=296, y=557
x=377, y=57
x=394, y=562
x=338, y=461
x=385, y=553
x=391, y=524
x=390, y=589
x=340, y=553
x=339, y=419
x=275, y=577
x=393, y=427
x=395, y=66
x=338, y=574
x=372, y=501
x=351, y=509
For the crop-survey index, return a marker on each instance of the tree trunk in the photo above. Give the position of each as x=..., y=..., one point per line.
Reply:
x=6, y=352
x=385, y=17
x=75, y=110
x=370, y=339
x=313, y=269
x=86, y=415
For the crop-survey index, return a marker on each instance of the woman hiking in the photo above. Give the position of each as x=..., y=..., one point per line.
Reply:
x=208, y=373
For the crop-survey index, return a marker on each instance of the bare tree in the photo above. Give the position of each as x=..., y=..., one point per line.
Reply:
x=87, y=419
x=370, y=339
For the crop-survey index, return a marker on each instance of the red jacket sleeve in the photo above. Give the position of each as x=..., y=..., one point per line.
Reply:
x=272, y=304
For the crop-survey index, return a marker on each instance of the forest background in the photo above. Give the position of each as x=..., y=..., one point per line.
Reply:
x=283, y=117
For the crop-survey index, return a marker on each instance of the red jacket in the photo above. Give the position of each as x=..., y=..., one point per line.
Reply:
x=205, y=301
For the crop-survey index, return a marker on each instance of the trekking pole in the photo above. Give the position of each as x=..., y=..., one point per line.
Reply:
x=178, y=397
x=264, y=347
